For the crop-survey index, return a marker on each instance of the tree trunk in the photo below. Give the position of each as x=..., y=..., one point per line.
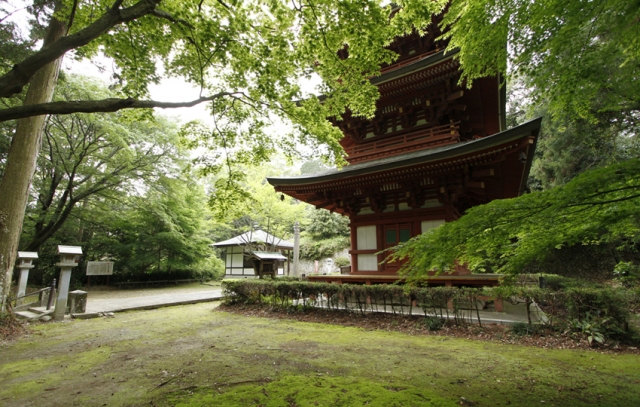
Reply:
x=21, y=163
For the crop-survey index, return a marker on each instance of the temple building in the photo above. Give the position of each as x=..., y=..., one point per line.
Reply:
x=255, y=254
x=433, y=150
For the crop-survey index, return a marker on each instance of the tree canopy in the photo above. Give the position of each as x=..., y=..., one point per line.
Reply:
x=89, y=155
x=582, y=56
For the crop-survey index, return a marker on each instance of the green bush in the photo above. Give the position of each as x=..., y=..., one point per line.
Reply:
x=320, y=249
x=604, y=311
x=433, y=323
x=627, y=273
x=342, y=261
x=522, y=328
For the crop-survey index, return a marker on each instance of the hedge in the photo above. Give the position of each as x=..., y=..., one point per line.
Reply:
x=605, y=310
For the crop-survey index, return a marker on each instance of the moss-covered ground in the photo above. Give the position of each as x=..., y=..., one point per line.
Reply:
x=195, y=356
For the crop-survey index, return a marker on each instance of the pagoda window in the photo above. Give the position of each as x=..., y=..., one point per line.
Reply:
x=394, y=234
x=367, y=241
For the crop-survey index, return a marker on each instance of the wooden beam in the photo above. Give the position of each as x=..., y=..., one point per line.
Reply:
x=455, y=95
x=489, y=172
x=474, y=184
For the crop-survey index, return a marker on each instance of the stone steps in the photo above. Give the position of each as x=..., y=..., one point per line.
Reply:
x=34, y=313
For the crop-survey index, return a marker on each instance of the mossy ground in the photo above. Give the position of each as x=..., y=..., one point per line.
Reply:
x=193, y=356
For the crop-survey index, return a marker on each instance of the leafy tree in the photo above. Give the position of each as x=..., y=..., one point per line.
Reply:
x=312, y=166
x=20, y=162
x=273, y=212
x=581, y=56
x=326, y=234
x=568, y=145
x=324, y=224
x=597, y=206
x=88, y=155
x=159, y=235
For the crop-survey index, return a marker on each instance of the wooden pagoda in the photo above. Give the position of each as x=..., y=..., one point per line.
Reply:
x=433, y=150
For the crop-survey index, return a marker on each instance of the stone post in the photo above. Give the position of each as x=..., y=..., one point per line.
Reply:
x=25, y=260
x=69, y=258
x=296, y=248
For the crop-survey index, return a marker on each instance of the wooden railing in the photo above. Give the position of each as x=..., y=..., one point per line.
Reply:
x=410, y=141
x=42, y=294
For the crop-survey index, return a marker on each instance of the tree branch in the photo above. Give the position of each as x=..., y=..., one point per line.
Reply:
x=99, y=106
x=13, y=81
x=170, y=17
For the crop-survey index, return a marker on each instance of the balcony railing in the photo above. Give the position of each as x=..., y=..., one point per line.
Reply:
x=404, y=143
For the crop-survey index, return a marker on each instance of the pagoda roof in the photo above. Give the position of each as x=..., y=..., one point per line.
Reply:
x=450, y=151
x=407, y=68
x=404, y=69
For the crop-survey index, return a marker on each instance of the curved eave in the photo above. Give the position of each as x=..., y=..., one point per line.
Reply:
x=408, y=69
x=415, y=66
x=530, y=128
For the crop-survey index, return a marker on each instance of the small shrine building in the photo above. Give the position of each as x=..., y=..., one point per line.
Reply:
x=433, y=150
x=255, y=254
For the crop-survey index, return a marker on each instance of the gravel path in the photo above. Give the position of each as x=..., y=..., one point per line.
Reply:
x=101, y=299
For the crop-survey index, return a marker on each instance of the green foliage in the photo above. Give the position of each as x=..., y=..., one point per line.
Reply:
x=90, y=157
x=433, y=323
x=590, y=329
x=326, y=234
x=319, y=249
x=163, y=235
x=605, y=310
x=627, y=273
x=522, y=328
x=342, y=261
x=581, y=56
x=324, y=224
x=258, y=203
x=504, y=236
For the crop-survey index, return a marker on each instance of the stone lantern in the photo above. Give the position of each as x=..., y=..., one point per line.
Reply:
x=69, y=258
x=25, y=263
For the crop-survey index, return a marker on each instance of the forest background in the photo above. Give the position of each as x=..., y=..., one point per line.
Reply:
x=123, y=183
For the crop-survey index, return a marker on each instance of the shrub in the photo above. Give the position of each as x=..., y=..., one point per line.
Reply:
x=433, y=323
x=342, y=261
x=522, y=328
x=593, y=311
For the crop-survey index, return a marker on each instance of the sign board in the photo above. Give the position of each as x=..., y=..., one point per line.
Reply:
x=99, y=268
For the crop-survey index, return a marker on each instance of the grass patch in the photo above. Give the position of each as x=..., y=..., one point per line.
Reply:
x=315, y=391
x=190, y=356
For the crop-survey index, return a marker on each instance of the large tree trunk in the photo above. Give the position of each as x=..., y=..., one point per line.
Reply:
x=21, y=163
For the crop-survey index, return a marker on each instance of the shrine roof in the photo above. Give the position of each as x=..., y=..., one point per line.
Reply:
x=268, y=256
x=257, y=236
x=416, y=157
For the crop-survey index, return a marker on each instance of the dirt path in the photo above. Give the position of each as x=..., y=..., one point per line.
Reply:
x=127, y=300
x=197, y=356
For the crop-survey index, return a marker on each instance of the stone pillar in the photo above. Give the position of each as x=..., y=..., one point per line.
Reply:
x=296, y=249
x=25, y=260
x=22, y=283
x=69, y=257
x=63, y=294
